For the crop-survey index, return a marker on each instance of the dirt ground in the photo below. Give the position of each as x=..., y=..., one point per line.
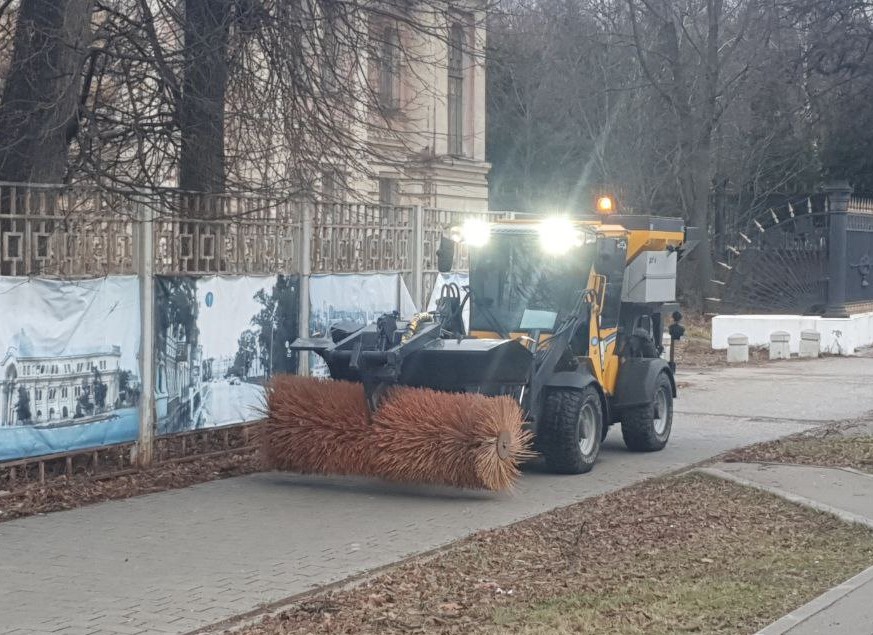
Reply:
x=695, y=349
x=83, y=489
x=838, y=445
x=678, y=554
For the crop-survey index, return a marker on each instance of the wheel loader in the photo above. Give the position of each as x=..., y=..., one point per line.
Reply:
x=565, y=318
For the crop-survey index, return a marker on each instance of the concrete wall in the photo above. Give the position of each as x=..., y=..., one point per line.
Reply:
x=839, y=336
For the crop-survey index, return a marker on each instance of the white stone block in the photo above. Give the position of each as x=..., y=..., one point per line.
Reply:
x=780, y=345
x=738, y=349
x=810, y=343
x=839, y=336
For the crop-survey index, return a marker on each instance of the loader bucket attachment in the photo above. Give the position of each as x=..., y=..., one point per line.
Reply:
x=483, y=365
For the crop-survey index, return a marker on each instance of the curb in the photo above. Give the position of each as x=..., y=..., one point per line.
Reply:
x=842, y=514
x=828, y=598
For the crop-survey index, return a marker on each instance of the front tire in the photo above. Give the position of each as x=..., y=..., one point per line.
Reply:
x=573, y=422
x=647, y=428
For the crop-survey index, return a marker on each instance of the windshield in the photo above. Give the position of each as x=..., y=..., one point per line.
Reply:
x=512, y=273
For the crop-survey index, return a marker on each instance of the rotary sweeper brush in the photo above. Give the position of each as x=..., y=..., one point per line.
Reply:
x=416, y=435
x=564, y=339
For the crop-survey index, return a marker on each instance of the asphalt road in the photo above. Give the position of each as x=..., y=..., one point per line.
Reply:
x=177, y=561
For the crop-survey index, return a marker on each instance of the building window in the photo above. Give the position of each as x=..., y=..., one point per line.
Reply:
x=79, y=367
x=102, y=364
x=387, y=192
x=330, y=55
x=333, y=186
x=52, y=394
x=77, y=391
x=389, y=70
x=64, y=393
x=455, y=99
x=37, y=394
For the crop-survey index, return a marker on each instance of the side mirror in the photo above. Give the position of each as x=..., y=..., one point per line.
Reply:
x=445, y=255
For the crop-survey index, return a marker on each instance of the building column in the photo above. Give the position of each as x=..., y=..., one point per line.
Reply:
x=838, y=194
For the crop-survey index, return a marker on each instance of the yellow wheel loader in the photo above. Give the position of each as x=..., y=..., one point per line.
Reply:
x=565, y=318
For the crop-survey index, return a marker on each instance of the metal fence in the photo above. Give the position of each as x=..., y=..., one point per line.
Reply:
x=74, y=232
x=77, y=233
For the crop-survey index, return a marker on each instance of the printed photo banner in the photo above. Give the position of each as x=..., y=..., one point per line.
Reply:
x=356, y=298
x=218, y=340
x=69, y=367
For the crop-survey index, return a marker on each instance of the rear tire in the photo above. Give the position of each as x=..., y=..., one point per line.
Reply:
x=573, y=422
x=647, y=428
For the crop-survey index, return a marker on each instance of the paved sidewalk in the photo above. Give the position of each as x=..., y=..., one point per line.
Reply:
x=848, y=608
x=181, y=560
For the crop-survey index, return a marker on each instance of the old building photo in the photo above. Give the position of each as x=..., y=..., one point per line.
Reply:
x=69, y=374
x=219, y=339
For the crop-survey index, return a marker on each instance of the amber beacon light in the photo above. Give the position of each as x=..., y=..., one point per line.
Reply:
x=605, y=205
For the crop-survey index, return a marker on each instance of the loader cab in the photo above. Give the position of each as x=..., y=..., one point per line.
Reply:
x=523, y=284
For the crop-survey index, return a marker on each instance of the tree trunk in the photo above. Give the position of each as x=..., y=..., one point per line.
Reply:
x=201, y=111
x=39, y=109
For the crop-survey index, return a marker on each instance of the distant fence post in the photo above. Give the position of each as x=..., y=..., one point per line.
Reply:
x=145, y=225
x=418, y=258
x=838, y=195
x=305, y=268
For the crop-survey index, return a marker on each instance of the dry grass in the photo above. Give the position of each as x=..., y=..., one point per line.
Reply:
x=681, y=554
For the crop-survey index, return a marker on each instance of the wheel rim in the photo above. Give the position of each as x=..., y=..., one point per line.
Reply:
x=661, y=412
x=587, y=429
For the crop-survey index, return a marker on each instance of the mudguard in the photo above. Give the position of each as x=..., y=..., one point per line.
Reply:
x=571, y=379
x=636, y=381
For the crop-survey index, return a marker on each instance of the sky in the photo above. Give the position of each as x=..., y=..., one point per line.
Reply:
x=233, y=306
x=72, y=317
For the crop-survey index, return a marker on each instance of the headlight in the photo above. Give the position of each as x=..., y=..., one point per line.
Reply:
x=476, y=233
x=559, y=235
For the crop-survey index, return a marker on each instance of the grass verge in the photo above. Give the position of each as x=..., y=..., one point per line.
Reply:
x=680, y=554
x=834, y=446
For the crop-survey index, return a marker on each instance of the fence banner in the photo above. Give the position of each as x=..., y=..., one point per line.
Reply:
x=218, y=340
x=69, y=373
x=358, y=298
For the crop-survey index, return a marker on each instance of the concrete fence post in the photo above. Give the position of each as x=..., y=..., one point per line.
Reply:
x=417, y=255
x=145, y=226
x=838, y=195
x=810, y=344
x=738, y=349
x=780, y=345
x=305, y=269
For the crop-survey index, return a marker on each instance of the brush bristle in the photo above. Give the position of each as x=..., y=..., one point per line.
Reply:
x=416, y=435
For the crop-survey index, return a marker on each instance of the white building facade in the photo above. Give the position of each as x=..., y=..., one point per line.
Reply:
x=53, y=387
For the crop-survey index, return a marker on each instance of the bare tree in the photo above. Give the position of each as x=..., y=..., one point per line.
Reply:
x=40, y=105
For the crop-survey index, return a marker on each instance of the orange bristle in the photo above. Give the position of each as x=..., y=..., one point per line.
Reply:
x=416, y=435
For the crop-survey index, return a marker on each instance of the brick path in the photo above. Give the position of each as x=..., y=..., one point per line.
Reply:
x=181, y=560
